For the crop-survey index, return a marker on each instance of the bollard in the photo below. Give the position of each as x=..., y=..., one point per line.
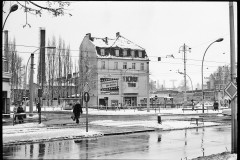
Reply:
x=159, y=119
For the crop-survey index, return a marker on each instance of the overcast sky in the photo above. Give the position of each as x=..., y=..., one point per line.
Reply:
x=162, y=28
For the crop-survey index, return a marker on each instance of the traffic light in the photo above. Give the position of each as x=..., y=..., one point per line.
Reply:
x=38, y=107
x=39, y=92
x=159, y=58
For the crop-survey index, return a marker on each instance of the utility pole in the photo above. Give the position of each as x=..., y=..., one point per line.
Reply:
x=234, y=110
x=185, y=48
x=31, y=86
x=148, y=104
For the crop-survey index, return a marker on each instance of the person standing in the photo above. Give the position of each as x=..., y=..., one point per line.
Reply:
x=77, y=111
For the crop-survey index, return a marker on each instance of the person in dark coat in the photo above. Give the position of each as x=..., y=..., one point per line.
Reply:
x=20, y=110
x=77, y=110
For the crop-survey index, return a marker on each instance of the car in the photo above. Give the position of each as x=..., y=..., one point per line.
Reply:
x=226, y=112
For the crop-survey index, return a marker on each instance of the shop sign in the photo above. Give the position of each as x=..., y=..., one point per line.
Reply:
x=109, y=86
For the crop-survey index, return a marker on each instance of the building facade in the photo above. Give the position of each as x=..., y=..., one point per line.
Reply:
x=6, y=76
x=115, y=71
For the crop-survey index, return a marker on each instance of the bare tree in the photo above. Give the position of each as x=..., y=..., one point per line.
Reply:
x=181, y=86
x=15, y=66
x=56, y=8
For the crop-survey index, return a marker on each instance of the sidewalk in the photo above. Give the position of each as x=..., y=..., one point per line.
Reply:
x=55, y=129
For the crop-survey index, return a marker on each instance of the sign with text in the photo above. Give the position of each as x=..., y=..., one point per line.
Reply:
x=109, y=86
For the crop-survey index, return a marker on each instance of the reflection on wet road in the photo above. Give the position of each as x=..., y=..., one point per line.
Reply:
x=190, y=143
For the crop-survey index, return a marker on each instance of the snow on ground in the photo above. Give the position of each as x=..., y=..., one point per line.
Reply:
x=166, y=125
x=220, y=156
x=32, y=132
x=126, y=111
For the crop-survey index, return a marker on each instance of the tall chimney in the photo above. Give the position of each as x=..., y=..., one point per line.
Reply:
x=89, y=35
x=6, y=50
x=117, y=34
x=106, y=40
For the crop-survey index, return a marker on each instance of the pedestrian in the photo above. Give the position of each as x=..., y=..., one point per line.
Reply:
x=77, y=111
x=20, y=110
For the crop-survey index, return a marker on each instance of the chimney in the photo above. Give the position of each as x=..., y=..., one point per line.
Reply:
x=106, y=40
x=89, y=36
x=6, y=50
x=117, y=34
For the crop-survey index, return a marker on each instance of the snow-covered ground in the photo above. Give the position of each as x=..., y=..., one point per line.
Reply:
x=34, y=132
x=166, y=125
x=127, y=111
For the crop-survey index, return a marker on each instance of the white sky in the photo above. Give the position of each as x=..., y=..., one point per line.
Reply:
x=159, y=27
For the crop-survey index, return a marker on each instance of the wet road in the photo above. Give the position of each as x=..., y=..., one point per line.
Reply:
x=190, y=143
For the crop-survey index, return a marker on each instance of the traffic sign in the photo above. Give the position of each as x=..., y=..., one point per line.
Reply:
x=231, y=90
x=86, y=96
x=86, y=87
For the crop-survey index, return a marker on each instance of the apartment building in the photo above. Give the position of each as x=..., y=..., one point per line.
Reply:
x=116, y=70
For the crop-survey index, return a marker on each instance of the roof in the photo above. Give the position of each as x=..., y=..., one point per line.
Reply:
x=119, y=41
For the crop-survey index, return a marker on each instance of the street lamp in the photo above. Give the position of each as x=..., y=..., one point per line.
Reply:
x=31, y=80
x=12, y=9
x=218, y=40
x=189, y=78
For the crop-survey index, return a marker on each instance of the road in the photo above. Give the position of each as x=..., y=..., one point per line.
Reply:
x=61, y=115
x=178, y=144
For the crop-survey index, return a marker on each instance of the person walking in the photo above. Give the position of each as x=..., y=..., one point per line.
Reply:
x=20, y=110
x=77, y=111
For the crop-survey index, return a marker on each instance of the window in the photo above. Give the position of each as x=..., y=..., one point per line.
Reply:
x=124, y=53
x=102, y=52
x=140, y=53
x=115, y=65
x=131, y=84
x=103, y=65
x=124, y=65
x=133, y=65
x=132, y=53
x=142, y=66
x=117, y=52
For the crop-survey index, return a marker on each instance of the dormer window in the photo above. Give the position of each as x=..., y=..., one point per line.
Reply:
x=140, y=53
x=117, y=52
x=132, y=53
x=102, y=52
x=124, y=53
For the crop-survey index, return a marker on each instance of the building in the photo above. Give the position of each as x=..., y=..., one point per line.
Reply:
x=6, y=76
x=6, y=87
x=115, y=70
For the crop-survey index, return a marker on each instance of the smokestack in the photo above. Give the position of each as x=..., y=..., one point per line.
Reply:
x=106, y=40
x=6, y=50
x=89, y=36
x=117, y=34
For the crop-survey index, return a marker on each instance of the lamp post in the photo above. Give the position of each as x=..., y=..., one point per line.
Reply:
x=122, y=82
x=218, y=40
x=189, y=78
x=12, y=9
x=31, y=80
x=185, y=48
